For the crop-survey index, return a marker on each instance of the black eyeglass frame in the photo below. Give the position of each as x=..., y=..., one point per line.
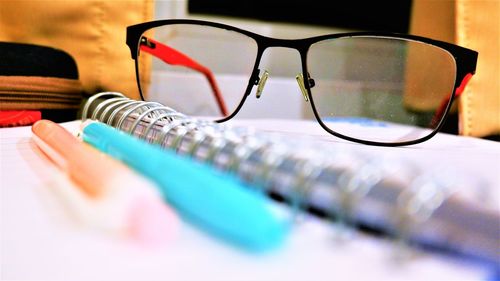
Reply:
x=465, y=60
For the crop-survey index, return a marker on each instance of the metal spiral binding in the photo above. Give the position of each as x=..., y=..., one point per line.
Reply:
x=341, y=182
x=109, y=109
x=163, y=136
x=153, y=112
x=104, y=105
x=354, y=186
x=309, y=173
x=215, y=144
x=416, y=204
x=180, y=133
x=161, y=116
x=133, y=108
x=111, y=119
x=306, y=171
x=93, y=98
x=242, y=151
x=255, y=158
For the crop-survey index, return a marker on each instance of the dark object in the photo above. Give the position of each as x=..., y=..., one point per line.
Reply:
x=19, y=59
x=393, y=16
x=39, y=78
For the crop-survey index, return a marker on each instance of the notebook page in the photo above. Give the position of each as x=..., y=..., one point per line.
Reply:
x=41, y=241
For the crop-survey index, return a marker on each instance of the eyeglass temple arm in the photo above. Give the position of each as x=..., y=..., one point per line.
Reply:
x=174, y=57
x=442, y=107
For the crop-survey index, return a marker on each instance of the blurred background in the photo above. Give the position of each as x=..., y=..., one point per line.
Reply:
x=93, y=32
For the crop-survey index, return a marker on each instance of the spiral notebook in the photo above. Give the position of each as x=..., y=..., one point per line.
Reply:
x=379, y=193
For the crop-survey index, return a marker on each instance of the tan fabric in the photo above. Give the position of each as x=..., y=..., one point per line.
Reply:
x=432, y=19
x=28, y=92
x=478, y=28
x=472, y=24
x=93, y=32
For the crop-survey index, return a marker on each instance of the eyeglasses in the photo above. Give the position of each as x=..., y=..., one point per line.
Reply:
x=368, y=87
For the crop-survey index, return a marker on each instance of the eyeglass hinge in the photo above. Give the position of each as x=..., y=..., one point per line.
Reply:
x=147, y=42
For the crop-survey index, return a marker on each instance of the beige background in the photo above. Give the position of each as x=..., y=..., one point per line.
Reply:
x=93, y=32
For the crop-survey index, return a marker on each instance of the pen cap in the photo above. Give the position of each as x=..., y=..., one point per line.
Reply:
x=211, y=199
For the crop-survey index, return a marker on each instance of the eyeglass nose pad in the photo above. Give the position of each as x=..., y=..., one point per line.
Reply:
x=262, y=83
x=300, y=81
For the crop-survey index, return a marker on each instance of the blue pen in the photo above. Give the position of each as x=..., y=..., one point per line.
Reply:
x=211, y=199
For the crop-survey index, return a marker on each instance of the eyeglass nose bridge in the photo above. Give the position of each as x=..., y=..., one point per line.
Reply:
x=261, y=81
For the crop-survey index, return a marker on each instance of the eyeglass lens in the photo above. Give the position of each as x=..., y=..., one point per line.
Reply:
x=380, y=89
x=191, y=71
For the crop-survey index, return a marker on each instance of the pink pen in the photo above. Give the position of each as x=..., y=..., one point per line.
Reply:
x=119, y=199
